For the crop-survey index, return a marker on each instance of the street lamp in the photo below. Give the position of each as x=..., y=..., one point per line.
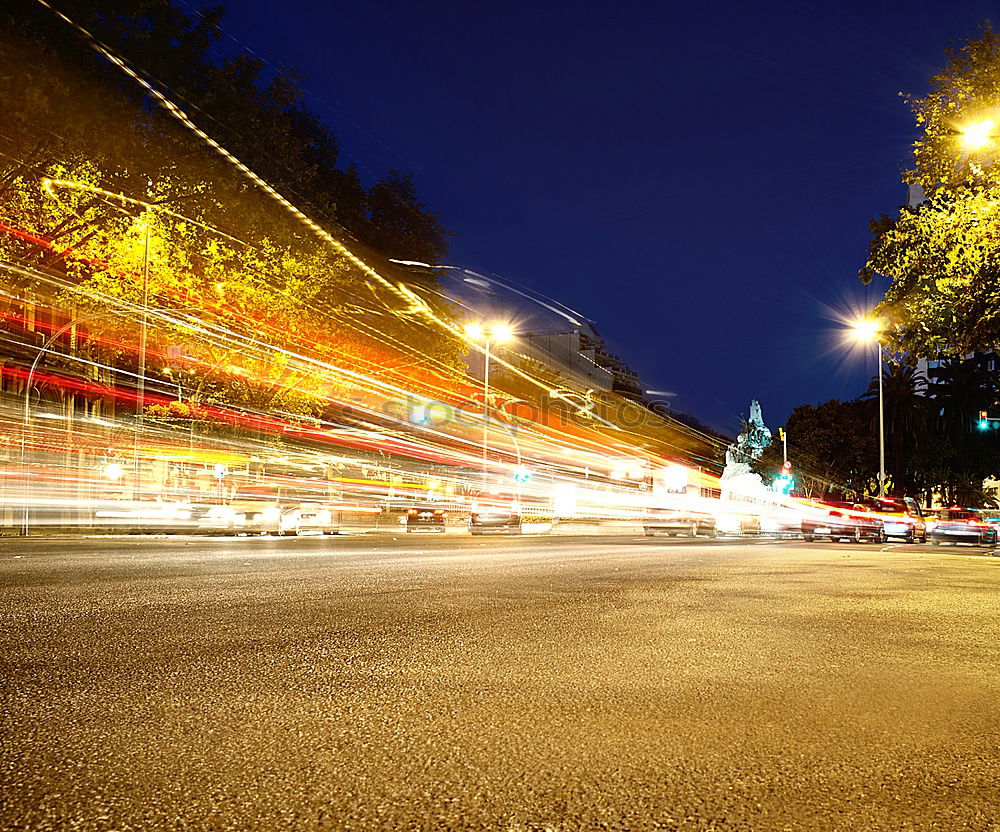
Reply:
x=977, y=135
x=495, y=333
x=867, y=330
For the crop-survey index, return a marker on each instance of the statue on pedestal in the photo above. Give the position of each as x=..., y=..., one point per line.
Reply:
x=749, y=445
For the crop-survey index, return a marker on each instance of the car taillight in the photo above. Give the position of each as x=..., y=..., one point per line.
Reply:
x=836, y=514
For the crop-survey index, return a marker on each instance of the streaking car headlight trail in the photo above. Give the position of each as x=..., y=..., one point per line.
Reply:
x=164, y=371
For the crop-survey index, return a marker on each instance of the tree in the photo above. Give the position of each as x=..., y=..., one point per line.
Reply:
x=905, y=406
x=254, y=113
x=69, y=116
x=942, y=254
x=832, y=449
x=959, y=391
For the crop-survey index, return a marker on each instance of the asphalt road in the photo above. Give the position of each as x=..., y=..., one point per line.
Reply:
x=491, y=683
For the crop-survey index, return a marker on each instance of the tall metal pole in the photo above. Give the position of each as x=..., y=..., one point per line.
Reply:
x=486, y=407
x=140, y=398
x=881, y=428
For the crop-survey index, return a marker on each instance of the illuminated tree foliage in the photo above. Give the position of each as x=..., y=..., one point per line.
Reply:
x=225, y=249
x=254, y=112
x=218, y=244
x=942, y=254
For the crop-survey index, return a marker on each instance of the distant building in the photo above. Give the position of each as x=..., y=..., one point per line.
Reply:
x=625, y=380
x=577, y=358
x=569, y=355
x=985, y=361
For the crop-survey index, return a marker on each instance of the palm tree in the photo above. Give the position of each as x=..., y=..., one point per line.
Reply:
x=961, y=390
x=906, y=416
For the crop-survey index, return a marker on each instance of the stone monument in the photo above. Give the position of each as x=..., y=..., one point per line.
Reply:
x=749, y=445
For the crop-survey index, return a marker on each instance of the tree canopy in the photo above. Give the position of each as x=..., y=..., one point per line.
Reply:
x=934, y=441
x=87, y=164
x=831, y=448
x=252, y=110
x=940, y=251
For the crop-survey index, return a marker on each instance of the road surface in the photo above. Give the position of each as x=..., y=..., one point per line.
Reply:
x=428, y=682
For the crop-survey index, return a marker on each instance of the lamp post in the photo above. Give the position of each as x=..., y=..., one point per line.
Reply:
x=140, y=401
x=496, y=333
x=867, y=330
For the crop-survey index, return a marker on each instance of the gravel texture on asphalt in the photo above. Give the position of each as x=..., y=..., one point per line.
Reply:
x=501, y=684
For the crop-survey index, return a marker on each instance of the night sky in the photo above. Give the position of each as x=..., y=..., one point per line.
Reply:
x=695, y=177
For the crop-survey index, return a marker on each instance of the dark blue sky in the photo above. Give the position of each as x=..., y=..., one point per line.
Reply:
x=696, y=177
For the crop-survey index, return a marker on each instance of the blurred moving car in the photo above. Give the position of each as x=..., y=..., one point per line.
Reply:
x=901, y=517
x=730, y=523
x=311, y=517
x=426, y=518
x=990, y=515
x=284, y=521
x=963, y=525
x=675, y=522
x=844, y=521
x=495, y=513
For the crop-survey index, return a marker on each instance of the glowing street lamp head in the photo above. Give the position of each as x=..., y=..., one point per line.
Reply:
x=867, y=329
x=978, y=134
x=501, y=333
x=498, y=333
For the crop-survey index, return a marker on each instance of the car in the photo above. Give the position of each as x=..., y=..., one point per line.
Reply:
x=729, y=523
x=963, y=525
x=426, y=518
x=902, y=518
x=843, y=521
x=679, y=522
x=495, y=513
x=990, y=515
x=258, y=518
x=312, y=517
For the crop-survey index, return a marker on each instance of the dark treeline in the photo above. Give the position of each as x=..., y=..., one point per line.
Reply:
x=256, y=114
x=934, y=442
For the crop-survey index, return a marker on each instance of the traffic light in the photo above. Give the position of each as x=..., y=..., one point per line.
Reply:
x=784, y=482
x=984, y=421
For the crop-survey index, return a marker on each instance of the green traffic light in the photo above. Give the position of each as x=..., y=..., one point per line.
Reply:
x=783, y=485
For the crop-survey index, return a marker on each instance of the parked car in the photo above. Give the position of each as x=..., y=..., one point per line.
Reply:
x=679, y=522
x=963, y=525
x=495, y=513
x=426, y=518
x=902, y=518
x=844, y=521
